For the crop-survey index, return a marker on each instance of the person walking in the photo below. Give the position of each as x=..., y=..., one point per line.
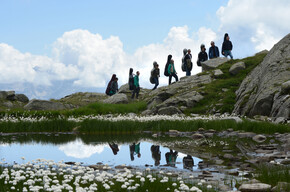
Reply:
x=169, y=57
x=155, y=74
x=227, y=47
x=188, y=63
x=213, y=51
x=136, y=86
x=202, y=56
x=172, y=72
x=131, y=79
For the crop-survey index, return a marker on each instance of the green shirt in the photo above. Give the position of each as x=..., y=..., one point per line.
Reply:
x=136, y=80
x=169, y=69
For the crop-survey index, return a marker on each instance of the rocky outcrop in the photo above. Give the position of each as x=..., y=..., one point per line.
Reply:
x=42, y=105
x=265, y=91
x=117, y=99
x=8, y=99
x=213, y=63
x=83, y=98
x=177, y=97
x=237, y=67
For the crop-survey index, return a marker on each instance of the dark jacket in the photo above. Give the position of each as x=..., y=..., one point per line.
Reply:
x=227, y=45
x=202, y=56
x=188, y=63
x=213, y=52
x=155, y=72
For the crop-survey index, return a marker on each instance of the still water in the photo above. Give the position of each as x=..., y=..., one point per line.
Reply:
x=138, y=152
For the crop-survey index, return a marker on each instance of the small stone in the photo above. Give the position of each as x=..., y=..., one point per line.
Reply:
x=259, y=138
x=197, y=136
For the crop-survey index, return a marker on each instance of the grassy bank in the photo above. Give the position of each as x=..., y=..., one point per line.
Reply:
x=96, y=126
x=220, y=94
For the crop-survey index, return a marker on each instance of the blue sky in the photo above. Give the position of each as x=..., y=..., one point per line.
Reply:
x=73, y=45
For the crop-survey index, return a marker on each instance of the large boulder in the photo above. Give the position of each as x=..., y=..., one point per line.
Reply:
x=265, y=90
x=117, y=99
x=255, y=187
x=213, y=63
x=237, y=67
x=36, y=104
x=22, y=98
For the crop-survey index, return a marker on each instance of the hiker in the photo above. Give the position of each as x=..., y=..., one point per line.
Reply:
x=156, y=154
x=172, y=72
x=213, y=51
x=227, y=46
x=188, y=162
x=171, y=158
x=188, y=63
x=136, y=89
x=114, y=148
x=202, y=56
x=114, y=87
x=155, y=74
x=108, y=90
x=134, y=150
x=169, y=57
x=131, y=79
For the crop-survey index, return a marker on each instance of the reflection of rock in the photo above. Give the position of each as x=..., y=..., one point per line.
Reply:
x=255, y=187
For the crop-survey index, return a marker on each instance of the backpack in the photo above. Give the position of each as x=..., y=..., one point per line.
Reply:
x=183, y=64
x=189, y=64
x=166, y=70
x=151, y=80
x=131, y=82
x=198, y=63
x=108, y=88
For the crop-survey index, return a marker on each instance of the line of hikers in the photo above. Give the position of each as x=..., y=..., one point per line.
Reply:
x=169, y=70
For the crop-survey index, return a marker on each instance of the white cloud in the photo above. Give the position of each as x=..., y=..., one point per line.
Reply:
x=80, y=150
x=261, y=23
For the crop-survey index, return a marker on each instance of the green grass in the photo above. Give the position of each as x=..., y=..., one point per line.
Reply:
x=272, y=174
x=94, y=126
x=213, y=91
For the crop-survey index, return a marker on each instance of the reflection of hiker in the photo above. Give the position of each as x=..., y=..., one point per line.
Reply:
x=114, y=87
x=227, y=46
x=131, y=79
x=155, y=74
x=171, y=158
x=134, y=150
x=156, y=154
x=169, y=57
x=188, y=63
x=136, y=85
x=213, y=51
x=114, y=148
x=188, y=162
x=202, y=56
x=110, y=84
x=172, y=72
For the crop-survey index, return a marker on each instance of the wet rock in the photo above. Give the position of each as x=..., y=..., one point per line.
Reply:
x=233, y=172
x=197, y=136
x=237, y=67
x=117, y=99
x=255, y=187
x=285, y=162
x=259, y=138
x=123, y=167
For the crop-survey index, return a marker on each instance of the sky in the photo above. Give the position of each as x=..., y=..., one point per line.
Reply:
x=49, y=49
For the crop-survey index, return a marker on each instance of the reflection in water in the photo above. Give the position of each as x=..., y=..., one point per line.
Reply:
x=156, y=154
x=114, y=148
x=188, y=162
x=171, y=158
x=109, y=151
x=134, y=150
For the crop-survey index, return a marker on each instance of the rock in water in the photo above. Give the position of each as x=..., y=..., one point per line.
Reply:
x=36, y=104
x=117, y=99
x=264, y=90
x=255, y=187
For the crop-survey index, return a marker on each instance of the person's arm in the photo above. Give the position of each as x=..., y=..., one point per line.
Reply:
x=217, y=52
x=210, y=53
x=223, y=48
x=231, y=45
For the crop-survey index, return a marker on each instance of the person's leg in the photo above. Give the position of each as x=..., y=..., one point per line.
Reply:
x=230, y=54
x=137, y=92
x=170, y=77
x=156, y=83
x=133, y=94
x=175, y=76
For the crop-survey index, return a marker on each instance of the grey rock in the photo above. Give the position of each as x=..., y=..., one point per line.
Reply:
x=197, y=136
x=262, y=52
x=285, y=88
x=22, y=98
x=8, y=104
x=117, y=99
x=262, y=92
x=237, y=67
x=259, y=138
x=285, y=162
x=171, y=110
x=217, y=72
x=35, y=104
x=255, y=187
x=124, y=89
x=213, y=63
x=147, y=112
x=246, y=135
x=280, y=120
x=3, y=95
x=228, y=156
x=11, y=95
